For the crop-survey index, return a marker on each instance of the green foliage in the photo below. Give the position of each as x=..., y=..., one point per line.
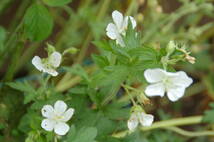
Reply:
x=209, y=115
x=56, y=2
x=78, y=70
x=38, y=23
x=84, y=134
x=2, y=38
x=96, y=87
x=29, y=92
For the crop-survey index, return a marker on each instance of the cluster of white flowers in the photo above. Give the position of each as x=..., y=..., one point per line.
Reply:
x=56, y=117
x=48, y=65
x=118, y=29
x=161, y=81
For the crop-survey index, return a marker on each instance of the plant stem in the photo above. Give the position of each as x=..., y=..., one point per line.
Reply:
x=66, y=77
x=130, y=96
x=68, y=84
x=174, y=122
x=26, y=55
x=132, y=6
x=166, y=124
x=85, y=46
x=55, y=138
x=189, y=133
x=14, y=60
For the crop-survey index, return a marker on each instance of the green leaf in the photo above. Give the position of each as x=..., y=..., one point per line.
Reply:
x=21, y=86
x=117, y=111
x=209, y=115
x=144, y=53
x=85, y=134
x=38, y=23
x=117, y=50
x=101, y=61
x=78, y=70
x=132, y=38
x=56, y=2
x=29, y=92
x=102, y=45
x=2, y=38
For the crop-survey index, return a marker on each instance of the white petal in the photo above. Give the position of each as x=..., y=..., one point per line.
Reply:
x=60, y=107
x=157, y=89
x=146, y=119
x=61, y=128
x=48, y=124
x=111, y=31
x=117, y=18
x=47, y=111
x=111, y=35
x=112, y=28
x=55, y=59
x=68, y=114
x=133, y=122
x=50, y=71
x=120, y=41
x=37, y=62
x=133, y=22
x=182, y=79
x=154, y=75
x=175, y=93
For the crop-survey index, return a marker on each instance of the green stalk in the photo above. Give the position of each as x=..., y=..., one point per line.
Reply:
x=19, y=14
x=133, y=6
x=174, y=122
x=166, y=124
x=66, y=79
x=130, y=96
x=166, y=23
x=62, y=37
x=13, y=65
x=4, y=4
x=190, y=134
x=26, y=55
x=70, y=83
x=85, y=46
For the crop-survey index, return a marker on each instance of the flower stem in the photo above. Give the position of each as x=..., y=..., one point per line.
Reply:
x=55, y=138
x=166, y=124
x=130, y=96
x=189, y=133
x=85, y=46
x=174, y=122
x=62, y=86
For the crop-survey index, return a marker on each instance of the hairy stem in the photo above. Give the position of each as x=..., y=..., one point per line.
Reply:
x=189, y=133
x=166, y=124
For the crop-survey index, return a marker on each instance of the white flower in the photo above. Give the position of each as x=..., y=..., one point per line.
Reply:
x=173, y=83
x=117, y=29
x=139, y=117
x=56, y=117
x=49, y=64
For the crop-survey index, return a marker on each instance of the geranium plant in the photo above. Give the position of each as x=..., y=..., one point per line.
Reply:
x=106, y=71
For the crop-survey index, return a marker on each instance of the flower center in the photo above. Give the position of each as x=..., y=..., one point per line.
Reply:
x=58, y=117
x=46, y=64
x=167, y=83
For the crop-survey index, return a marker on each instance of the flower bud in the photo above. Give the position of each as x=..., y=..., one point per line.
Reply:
x=170, y=47
x=50, y=49
x=71, y=50
x=136, y=108
x=190, y=59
